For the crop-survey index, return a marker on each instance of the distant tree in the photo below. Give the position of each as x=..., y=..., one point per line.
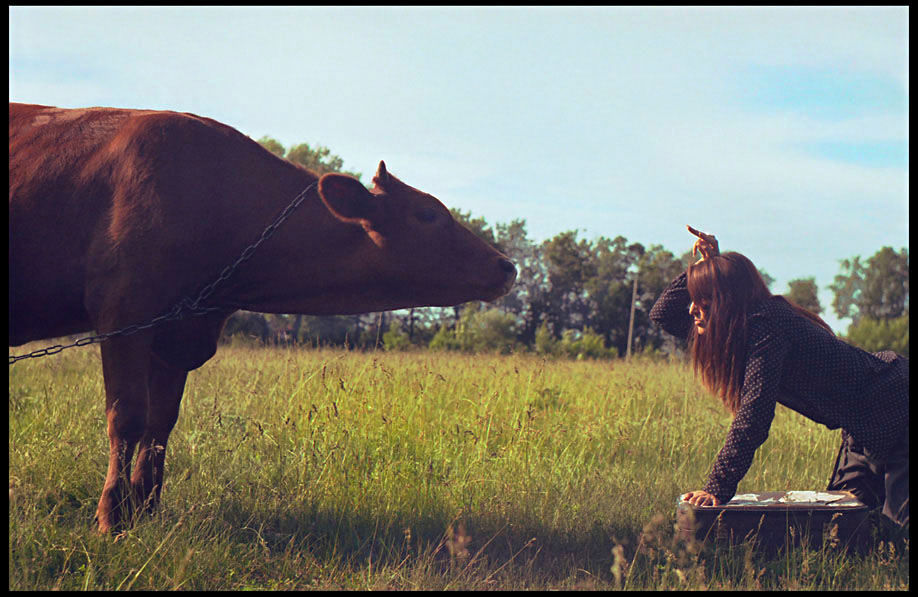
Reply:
x=610, y=288
x=478, y=330
x=247, y=324
x=444, y=339
x=877, y=289
x=847, y=288
x=767, y=278
x=874, y=335
x=571, y=264
x=319, y=159
x=686, y=259
x=585, y=345
x=804, y=292
x=330, y=330
x=395, y=338
x=545, y=343
x=485, y=330
x=656, y=269
x=527, y=298
x=272, y=145
x=512, y=240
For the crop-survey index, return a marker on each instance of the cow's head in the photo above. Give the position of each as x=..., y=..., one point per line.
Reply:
x=421, y=254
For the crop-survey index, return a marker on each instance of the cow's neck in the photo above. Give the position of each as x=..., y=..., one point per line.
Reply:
x=312, y=264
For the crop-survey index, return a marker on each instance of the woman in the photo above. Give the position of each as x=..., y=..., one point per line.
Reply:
x=753, y=349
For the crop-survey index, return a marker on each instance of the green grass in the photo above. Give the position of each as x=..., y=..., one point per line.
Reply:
x=298, y=469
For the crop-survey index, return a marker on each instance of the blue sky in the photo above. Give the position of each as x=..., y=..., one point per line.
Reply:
x=782, y=130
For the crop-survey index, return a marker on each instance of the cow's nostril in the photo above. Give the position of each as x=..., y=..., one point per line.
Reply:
x=507, y=266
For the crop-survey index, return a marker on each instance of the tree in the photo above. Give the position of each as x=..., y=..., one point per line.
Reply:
x=877, y=289
x=766, y=278
x=247, y=324
x=874, y=335
x=319, y=159
x=885, y=292
x=527, y=298
x=805, y=293
x=570, y=265
x=478, y=330
x=545, y=343
x=611, y=287
x=444, y=339
x=586, y=344
x=847, y=286
x=656, y=269
x=272, y=145
x=488, y=330
x=395, y=338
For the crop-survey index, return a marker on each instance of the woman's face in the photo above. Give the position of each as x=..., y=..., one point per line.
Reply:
x=700, y=312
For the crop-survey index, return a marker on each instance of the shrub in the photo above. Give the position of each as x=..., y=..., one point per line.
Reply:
x=487, y=331
x=478, y=330
x=395, y=338
x=545, y=342
x=444, y=339
x=585, y=345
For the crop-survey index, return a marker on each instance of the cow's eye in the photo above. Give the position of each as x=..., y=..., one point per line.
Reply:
x=426, y=214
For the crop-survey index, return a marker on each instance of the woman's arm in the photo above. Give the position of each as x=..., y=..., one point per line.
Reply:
x=671, y=310
x=767, y=350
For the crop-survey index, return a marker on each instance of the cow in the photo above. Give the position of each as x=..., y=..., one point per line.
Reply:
x=117, y=214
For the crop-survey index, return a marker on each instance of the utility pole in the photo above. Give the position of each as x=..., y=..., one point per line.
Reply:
x=631, y=319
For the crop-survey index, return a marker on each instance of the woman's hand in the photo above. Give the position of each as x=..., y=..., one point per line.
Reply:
x=700, y=498
x=706, y=244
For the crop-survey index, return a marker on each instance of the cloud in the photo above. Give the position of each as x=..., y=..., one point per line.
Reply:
x=819, y=93
x=870, y=153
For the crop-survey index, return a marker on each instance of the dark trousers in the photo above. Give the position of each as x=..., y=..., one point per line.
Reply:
x=873, y=481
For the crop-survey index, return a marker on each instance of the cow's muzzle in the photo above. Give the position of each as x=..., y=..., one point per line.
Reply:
x=509, y=271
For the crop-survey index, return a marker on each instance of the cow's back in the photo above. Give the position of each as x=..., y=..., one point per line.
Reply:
x=60, y=196
x=166, y=198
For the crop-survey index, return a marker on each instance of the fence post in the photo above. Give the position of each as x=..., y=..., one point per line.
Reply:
x=631, y=319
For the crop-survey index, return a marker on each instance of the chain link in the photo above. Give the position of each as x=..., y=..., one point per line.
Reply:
x=185, y=305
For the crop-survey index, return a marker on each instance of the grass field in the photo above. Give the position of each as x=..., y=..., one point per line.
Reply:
x=318, y=469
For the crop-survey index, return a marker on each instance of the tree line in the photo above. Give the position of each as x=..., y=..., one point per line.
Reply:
x=573, y=297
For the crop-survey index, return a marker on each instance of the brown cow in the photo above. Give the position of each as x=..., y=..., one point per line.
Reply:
x=115, y=215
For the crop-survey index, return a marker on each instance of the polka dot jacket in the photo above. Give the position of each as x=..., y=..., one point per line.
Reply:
x=792, y=361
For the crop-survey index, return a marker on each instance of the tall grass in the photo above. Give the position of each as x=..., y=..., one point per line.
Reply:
x=296, y=469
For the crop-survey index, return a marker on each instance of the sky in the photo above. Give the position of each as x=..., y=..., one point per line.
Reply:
x=781, y=130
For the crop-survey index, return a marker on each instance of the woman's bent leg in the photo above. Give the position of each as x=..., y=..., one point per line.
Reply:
x=857, y=473
x=896, y=503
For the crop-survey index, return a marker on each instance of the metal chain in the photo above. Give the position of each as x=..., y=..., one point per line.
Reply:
x=185, y=305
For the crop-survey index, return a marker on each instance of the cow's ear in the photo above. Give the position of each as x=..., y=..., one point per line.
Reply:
x=347, y=199
x=381, y=179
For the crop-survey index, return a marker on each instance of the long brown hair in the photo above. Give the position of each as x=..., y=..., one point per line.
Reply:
x=728, y=285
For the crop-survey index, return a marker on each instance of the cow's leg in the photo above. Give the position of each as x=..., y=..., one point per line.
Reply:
x=126, y=367
x=178, y=347
x=166, y=387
